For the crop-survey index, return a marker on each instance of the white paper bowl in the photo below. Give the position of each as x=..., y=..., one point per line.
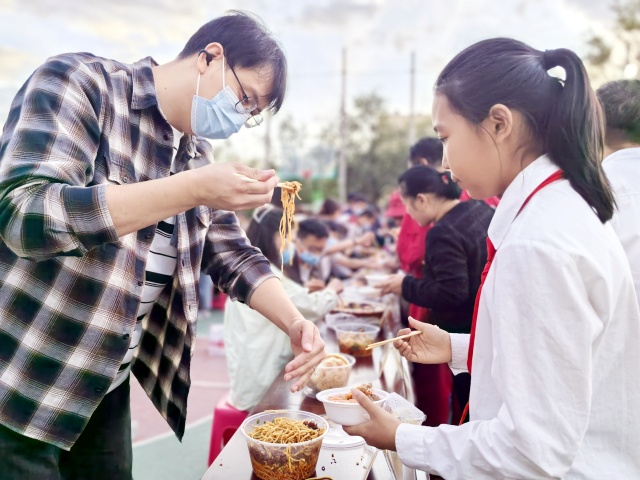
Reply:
x=347, y=413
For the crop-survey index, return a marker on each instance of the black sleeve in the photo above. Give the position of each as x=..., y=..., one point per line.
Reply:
x=446, y=281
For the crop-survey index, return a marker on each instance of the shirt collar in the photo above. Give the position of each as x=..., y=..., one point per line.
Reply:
x=516, y=193
x=144, y=88
x=623, y=153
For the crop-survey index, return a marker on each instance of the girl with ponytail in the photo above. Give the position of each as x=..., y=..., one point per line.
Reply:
x=455, y=253
x=553, y=351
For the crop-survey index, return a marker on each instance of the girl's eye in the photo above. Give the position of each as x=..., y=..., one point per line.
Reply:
x=442, y=139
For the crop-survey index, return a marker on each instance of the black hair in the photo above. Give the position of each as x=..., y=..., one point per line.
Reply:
x=621, y=104
x=247, y=44
x=369, y=212
x=265, y=223
x=429, y=148
x=329, y=207
x=424, y=179
x=564, y=116
x=357, y=197
x=336, y=227
x=312, y=226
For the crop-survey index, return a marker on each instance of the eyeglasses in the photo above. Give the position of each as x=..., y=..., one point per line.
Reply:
x=247, y=105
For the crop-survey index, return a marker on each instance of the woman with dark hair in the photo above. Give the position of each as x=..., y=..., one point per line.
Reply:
x=553, y=351
x=255, y=360
x=455, y=253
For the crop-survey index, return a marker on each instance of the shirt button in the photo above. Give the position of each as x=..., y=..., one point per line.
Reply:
x=140, y=282
x=147, y=236
x=125, y=179
x=125, y=336
x=99, y=389
x=166, y=136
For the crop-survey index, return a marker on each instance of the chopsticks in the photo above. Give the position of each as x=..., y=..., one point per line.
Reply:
x=384, y=342
x=253, y=180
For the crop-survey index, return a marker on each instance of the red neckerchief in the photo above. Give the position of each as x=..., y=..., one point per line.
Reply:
x=491, y=252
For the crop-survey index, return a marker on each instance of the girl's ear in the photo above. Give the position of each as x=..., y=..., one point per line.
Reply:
x=499, y=122
x=421, y=200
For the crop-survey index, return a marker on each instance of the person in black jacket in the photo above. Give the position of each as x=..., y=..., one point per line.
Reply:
x=455, y=254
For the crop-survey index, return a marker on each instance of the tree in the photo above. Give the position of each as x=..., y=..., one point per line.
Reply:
x=609, y=59
x=376, y=149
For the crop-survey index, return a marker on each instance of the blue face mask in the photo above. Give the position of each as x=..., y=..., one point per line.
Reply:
x=310, y=258
x=216, y=118
x=287, y=255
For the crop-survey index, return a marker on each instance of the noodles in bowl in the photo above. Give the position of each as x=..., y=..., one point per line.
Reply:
x=284, y=445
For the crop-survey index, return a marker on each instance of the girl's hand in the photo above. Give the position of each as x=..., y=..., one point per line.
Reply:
x=380, y=430
x=433, y=346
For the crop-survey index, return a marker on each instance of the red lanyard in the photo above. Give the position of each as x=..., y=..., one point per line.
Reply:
x=491, y=252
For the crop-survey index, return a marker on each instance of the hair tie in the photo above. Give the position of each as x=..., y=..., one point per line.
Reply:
x=445, y=178
x=547, y=60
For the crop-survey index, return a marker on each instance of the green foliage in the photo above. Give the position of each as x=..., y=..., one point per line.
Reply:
x=377, y=147
x=599, y=52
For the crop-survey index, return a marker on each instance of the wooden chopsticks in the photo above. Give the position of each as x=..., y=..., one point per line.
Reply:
x=384, y=342
x=253, y=180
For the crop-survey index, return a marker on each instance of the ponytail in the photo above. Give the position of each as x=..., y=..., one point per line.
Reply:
x=424, y=179
x=575, y=132
x=564, y=117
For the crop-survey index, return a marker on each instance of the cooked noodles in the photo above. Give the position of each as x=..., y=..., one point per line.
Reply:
x=285, y=430
x=288, y=197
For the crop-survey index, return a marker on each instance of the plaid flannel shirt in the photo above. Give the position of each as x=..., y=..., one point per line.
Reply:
x=69, y=287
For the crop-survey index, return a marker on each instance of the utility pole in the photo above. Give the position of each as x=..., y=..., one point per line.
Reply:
x=412, y=100
x=342, y=158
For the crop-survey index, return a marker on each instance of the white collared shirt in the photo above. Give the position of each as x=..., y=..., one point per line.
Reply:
x=555, y=390
x=623, y=170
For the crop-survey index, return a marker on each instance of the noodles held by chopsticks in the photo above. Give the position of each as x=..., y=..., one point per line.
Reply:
x=288, y=197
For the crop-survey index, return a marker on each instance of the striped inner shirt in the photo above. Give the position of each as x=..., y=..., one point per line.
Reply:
x=161, y=265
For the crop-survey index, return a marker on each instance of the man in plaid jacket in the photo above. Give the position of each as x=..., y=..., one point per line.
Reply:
x=93, y=173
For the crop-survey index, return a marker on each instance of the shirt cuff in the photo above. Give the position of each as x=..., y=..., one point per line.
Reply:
x=89, y=216
x=459, y=352
x=410, y=445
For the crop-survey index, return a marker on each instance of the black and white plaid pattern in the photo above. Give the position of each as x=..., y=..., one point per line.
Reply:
x=69, y=287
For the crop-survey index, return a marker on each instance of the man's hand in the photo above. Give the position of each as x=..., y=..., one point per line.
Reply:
x=433, y=346
x=232, y=186
x=393, y=284
x=380, y=430
x=308, y=348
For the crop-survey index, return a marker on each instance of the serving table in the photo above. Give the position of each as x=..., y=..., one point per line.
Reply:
x=385, y=369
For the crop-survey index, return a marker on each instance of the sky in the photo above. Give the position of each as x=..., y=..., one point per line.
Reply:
x=379, y=36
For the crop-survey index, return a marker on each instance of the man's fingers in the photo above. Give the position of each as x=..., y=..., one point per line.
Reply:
x=302, y=364
x=259, y=187
x=255, y=173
